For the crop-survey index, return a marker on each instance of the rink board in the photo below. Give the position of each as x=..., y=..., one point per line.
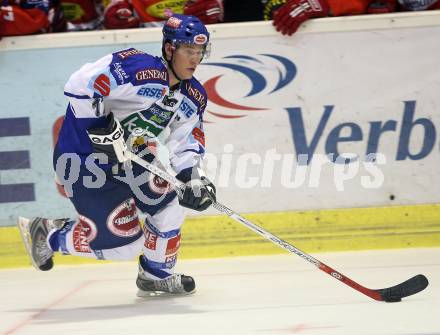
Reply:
x=364, y=84
x=311, y=231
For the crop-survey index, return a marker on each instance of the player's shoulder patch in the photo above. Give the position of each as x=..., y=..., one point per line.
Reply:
x=130, y=65
x=196, y=83
x=151, y=70
x=195, y=91
x=127, y=53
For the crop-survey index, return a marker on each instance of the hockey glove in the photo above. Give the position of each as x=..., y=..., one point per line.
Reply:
x=198, y=193
x=109, y=140
x=381, y=6
x=119, y=15
x=293, y=13
x=208, y=11
x=418, y=4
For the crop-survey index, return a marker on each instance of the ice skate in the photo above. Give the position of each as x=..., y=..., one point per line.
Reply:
x=34, y=234
x=174, y=285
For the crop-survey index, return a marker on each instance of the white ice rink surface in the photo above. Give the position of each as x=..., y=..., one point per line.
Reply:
x=247, y=295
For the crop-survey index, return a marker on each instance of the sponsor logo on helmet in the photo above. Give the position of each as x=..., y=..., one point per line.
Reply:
x=200, y=39
x=173, y=22
x=84, y=231
x=124, y=221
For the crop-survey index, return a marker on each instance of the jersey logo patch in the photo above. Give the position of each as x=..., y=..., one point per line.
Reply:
x=159, y=185
x=102, y=85
x=151, y=91
x=119, y=73
x=152, y=120
x=173, y=245
x=168, y=101
x=150, y=240
x=149, y=74
x=187, y=108
x=124, y=221
x=199, y=135
x=196, y=95
x=84, y=232
x=130, y=52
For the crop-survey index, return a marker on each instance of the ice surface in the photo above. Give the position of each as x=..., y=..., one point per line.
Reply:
x=245, y=295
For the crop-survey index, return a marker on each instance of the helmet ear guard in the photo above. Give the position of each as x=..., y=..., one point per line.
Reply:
x=164, y=55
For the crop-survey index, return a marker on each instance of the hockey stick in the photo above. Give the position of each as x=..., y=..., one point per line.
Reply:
x=391, y=294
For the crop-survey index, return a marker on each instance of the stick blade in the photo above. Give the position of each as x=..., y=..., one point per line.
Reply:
x=411, y=286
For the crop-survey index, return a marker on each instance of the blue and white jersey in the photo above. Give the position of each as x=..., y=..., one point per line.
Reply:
x=134, y=86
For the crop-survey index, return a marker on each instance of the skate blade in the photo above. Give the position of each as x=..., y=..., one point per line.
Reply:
x=23, y=227
x=160, y=294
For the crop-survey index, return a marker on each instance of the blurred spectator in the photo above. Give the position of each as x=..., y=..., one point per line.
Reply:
x=23, y=17
x=119, y=14
x=288, y=15
x=208, y=11
x=153, y=13
x=30, y=16
x=150, y=13
x=82, y=14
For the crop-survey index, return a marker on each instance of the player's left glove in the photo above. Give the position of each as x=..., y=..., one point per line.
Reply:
x=208, y=11
x=293, y=13
x=198, y=192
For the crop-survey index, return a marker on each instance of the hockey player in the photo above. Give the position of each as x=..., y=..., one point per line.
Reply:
x=30, y=17
x=156, y=103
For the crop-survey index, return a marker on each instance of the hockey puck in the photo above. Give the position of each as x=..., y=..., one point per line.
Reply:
x=393, y=300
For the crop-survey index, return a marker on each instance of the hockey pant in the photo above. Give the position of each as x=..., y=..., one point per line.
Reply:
x=108, y=225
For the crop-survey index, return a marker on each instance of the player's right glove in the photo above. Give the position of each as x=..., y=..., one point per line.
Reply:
x=208, y=11
x=119, y=15
x=293, y=13
x=198, y=192
x=109, y=140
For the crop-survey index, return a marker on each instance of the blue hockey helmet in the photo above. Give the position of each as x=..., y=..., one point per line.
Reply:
x=185, y=29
